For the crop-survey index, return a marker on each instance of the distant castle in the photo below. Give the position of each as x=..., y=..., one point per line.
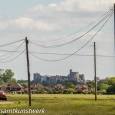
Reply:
x=72, y=76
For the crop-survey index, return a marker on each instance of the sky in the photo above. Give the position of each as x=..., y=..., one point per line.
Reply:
x=43, y=21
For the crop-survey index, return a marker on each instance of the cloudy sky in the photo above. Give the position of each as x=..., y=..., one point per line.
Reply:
x=43, y=21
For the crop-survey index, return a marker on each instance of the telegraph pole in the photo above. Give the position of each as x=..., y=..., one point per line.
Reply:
x=114, y=29
x=26, y=40
x=95, y=71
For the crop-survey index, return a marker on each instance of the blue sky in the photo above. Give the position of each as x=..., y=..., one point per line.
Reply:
x=43, y=20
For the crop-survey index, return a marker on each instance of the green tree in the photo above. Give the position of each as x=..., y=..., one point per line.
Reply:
x=1, y=76
x=91, y=84
x=22, y=81
x=59, y=81
x=63, y=84
x=13, y=80
x=50, y=92
x=42, y=90
x=69, y=84
x=111, y=81
x=107, y=78
x=7, y=75
x=68, y=91
x=102, y=86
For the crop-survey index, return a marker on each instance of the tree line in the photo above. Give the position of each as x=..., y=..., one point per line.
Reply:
x=107, y=85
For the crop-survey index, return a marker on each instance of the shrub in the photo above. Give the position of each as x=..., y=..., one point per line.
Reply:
x=70, y=90
x=89, y=92
x=75, y=92
x=50, y=92
x=79, y=92
x=41, y=91
x=59, y=92
x=25, y=92
x=85, y=92
x=65, y=91
x=36, y=92
x=55, y=92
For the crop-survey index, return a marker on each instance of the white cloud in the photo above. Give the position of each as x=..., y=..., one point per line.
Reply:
x=69, y=14
x=52, y=5
x=23, y=21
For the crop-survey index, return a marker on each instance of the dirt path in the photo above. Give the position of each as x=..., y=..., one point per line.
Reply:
x=6, y=102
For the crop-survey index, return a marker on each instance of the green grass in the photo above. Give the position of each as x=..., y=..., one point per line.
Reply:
x=63, y=104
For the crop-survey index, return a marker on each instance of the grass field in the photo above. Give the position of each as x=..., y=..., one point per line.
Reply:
x=63, y=104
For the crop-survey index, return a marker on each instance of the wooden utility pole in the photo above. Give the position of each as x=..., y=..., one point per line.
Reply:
x=26, y=40
x=95, y=71
x=114, y=29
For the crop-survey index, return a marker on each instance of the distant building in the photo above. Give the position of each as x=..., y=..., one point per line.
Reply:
x=14, y=88
x=76, y=76
x=37, y=77
x=43, y=78
x=98, y=79
x=72, y=76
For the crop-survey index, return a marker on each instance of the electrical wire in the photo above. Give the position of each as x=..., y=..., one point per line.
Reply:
x=13, y=58
x=80, y=48
x=11, y=43
x=54, y=46
x=69, y=54
x=75, y=32
x=8, y=51
x=14, y=51
x=57, y=53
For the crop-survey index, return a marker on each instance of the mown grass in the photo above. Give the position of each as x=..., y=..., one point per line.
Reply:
x=63, y=104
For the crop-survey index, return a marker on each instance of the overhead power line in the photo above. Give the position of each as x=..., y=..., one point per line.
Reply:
x=13, y=58
x=11, y=43
x=54, y=46
x=13, y=52
x=57, y=53
x=80, y=48
x=77, y=31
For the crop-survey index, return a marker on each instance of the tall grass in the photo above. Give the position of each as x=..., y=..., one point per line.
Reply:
x=64, y=104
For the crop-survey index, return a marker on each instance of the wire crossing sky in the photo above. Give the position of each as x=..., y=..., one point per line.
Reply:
x=74, y=39
x=63, y=27
x=81, y=47
x=108, y=15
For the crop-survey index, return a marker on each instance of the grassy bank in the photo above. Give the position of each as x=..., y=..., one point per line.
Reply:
x=64, y=104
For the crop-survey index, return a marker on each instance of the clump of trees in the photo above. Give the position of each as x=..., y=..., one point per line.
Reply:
x=107, y=85
x=68, y=91
x=6, y=76
x=111, y=87
x=91, y=84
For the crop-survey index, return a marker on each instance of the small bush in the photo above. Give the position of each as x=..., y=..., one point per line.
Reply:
x=50, y=92
x=65, y=91
x=85, y=92
x=89, y=92
x=79, y=92
x=59, y=92
x=55, y=92
x=25, y=92
x=36, y=92
x=75, y=92
x=70, y=90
